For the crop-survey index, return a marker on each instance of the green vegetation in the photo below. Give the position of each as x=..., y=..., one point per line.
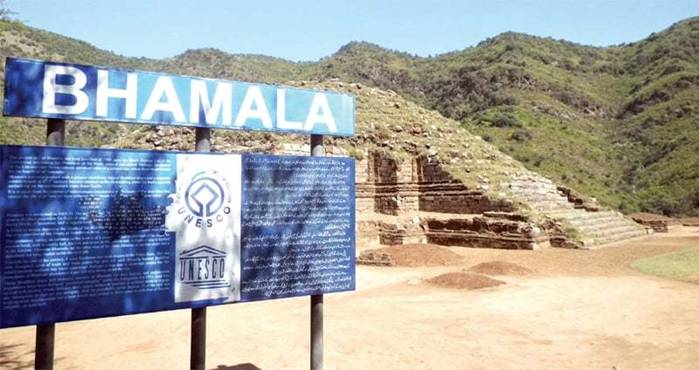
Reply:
x=682, y=265
x=617, y=123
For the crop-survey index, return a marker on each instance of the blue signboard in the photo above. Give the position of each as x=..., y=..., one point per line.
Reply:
x=80, y=92
x=92, y=233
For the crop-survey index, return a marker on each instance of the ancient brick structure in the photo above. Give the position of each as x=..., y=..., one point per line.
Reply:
x=386, y=185
x=429, y=205
x=414, y=200
x=659, y=223
x=575, y=223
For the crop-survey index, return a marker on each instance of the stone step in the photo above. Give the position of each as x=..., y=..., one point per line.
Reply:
x=616, y=237
x=543, y=197
x=534, y=190
x=585, y=223
x=593, y=221
x=562, y=213
x=610, y=231
x=605, y=227
x=578, y=215
x=546, y=209
x=553, y=205
x=567, y=212
x=548, y=203
x=597, y=242
x=532, y=186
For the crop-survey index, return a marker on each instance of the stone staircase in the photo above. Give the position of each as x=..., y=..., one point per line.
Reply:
x=584, y=226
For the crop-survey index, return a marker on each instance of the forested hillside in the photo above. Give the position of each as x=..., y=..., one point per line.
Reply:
x=618, y=123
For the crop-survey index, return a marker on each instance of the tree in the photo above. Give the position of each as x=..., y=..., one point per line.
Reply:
x=5, y=12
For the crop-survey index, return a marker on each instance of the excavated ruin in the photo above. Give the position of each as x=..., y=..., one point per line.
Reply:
x=422, y=178
x=418, y=201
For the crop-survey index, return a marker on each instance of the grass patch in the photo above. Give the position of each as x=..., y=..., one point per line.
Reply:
x=682, y=265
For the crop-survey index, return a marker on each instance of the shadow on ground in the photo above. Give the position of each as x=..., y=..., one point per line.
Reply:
x=245, y=366
x=11, y=357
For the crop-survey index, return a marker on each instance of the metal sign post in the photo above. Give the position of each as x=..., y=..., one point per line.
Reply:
x=43, y=355
x=45, y=334
x=317, y=150
x=197, y=359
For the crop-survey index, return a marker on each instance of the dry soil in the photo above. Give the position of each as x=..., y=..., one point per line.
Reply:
x=577, y=310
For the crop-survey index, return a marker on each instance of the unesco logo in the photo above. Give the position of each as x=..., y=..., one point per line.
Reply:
x=205, y=202
x=203, y=267
x=204, y=196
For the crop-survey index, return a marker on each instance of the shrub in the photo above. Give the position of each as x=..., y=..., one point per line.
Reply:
x=521, y=136
x=356, y=153
x=505, y=120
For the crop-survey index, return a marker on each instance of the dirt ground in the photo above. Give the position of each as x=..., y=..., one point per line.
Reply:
x=576, y=309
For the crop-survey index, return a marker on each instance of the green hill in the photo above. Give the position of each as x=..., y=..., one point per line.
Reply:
x=618, y=123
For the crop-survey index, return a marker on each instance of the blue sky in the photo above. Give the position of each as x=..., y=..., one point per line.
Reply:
x=309, y=30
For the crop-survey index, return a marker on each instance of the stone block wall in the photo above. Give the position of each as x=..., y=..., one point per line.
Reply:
x=429, y=170
x=368, y=233
x=403, y=232
x=385, y=169
x=386, y=183
x=440, y=192
x=364, y=188
x=475, y=232
x=362, y=171
x=420, y=184
x=485, y=232
x=460, y=201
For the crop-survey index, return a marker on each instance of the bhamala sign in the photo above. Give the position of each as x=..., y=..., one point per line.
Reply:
x=81, y=92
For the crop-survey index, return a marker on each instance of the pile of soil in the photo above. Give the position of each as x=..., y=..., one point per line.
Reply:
x=500, y=268
x=409, y=255
x=464, y=280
